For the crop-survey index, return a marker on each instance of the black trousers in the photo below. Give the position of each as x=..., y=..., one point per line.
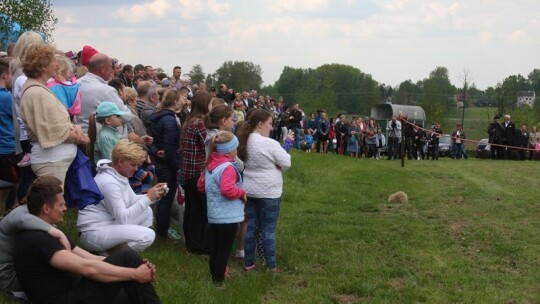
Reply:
x=221, y=240
x=167, y=175
x=195, y=219
x=89, y=291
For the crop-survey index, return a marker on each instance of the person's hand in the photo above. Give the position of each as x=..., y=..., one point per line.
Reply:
x=145, y=273
x=152, y=267
x=148, y=140
x=160, y=153
x=83, y=139
x=244, y=198
x=157, y=192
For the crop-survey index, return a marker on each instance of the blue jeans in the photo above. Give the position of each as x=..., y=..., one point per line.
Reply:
x=297, y=138
x=459, y=150
x=262, y=214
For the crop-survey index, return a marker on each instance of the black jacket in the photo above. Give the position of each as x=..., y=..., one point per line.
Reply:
x=296, y=118
x=495, y=131
x=166, y=133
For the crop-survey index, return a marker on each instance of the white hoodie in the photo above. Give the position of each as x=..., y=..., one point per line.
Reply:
x=120, y=205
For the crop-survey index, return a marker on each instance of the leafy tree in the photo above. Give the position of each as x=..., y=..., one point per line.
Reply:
x=196, y=74
x=36, y=15
x=437, y=95
x=334, y=87
x=240, y=75
x=534, y=80
x=211, y=81
x=408, y=93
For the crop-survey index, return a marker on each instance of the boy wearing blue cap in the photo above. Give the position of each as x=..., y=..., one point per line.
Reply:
x=109, y=116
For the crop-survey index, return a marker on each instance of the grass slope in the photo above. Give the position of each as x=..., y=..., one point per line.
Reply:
x=469, y=234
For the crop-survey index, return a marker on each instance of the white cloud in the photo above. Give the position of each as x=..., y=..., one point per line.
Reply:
x=193, y=9
x=69, y=20
x=138, y=12
x=300, y=6
x=517, y=37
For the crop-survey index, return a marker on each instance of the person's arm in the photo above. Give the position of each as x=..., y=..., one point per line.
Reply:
x=20, y=219
x=201, y=184
x=282, y=159
x=101, y=271
x=171, y=142
x=114, y=202
x=87, y=255
x=227, y=184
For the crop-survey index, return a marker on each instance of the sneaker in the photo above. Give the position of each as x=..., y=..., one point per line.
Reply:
x=250, y=268
x=172, y=234
x=25, y=161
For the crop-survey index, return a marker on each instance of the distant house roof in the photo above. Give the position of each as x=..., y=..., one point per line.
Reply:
x=525, y=94
x=385, y=111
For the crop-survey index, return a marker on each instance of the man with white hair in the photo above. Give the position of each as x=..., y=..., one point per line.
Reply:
x=95, y=90
x=509, y=136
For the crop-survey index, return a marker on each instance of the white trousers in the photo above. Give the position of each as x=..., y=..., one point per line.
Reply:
x=137, y=236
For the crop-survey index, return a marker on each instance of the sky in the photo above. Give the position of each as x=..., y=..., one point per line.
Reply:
x=392, y=40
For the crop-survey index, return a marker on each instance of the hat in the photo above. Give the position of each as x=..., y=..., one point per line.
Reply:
x=70, y=55
x=165, y=82
x=107, y=108
x=87, y=53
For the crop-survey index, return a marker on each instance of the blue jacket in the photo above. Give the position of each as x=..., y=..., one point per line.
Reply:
x=166, y=133
x=222, y=210
x=7, y=132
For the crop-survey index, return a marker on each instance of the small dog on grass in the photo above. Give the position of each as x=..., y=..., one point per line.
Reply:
x=398, y=197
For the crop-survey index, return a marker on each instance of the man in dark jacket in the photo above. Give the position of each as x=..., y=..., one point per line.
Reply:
x=295, y=118
x=495, y=131
x=407, y=130
x=509, y=132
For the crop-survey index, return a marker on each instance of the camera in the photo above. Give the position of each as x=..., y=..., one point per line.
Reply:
x=165, y=190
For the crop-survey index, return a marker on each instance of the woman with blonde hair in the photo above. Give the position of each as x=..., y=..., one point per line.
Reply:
x=21, y=135
x=122, y=218
x=53, y=136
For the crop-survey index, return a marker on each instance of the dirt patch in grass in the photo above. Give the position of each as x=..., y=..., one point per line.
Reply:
x=347, y=298
x=398, y=283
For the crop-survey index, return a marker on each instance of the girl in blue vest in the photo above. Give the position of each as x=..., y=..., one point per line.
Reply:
x=225, y=198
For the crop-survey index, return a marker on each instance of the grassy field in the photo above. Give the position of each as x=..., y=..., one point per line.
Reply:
x=469, y=234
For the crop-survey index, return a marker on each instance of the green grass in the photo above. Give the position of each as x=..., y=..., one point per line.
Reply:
x=469, y=234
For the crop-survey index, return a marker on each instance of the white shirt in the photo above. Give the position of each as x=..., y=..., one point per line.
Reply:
x=266, y=161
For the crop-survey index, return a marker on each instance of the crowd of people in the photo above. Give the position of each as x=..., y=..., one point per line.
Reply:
x=151, y=142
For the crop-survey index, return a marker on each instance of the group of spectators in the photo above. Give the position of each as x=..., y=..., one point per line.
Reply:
x=151, y=140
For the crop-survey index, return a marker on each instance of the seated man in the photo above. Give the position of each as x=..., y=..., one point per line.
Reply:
x=15, y=221
x=50, y=273
x=122, y=218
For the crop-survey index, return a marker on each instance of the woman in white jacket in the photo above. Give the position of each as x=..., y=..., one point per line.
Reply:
x=265, y=160
x=122, y=218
